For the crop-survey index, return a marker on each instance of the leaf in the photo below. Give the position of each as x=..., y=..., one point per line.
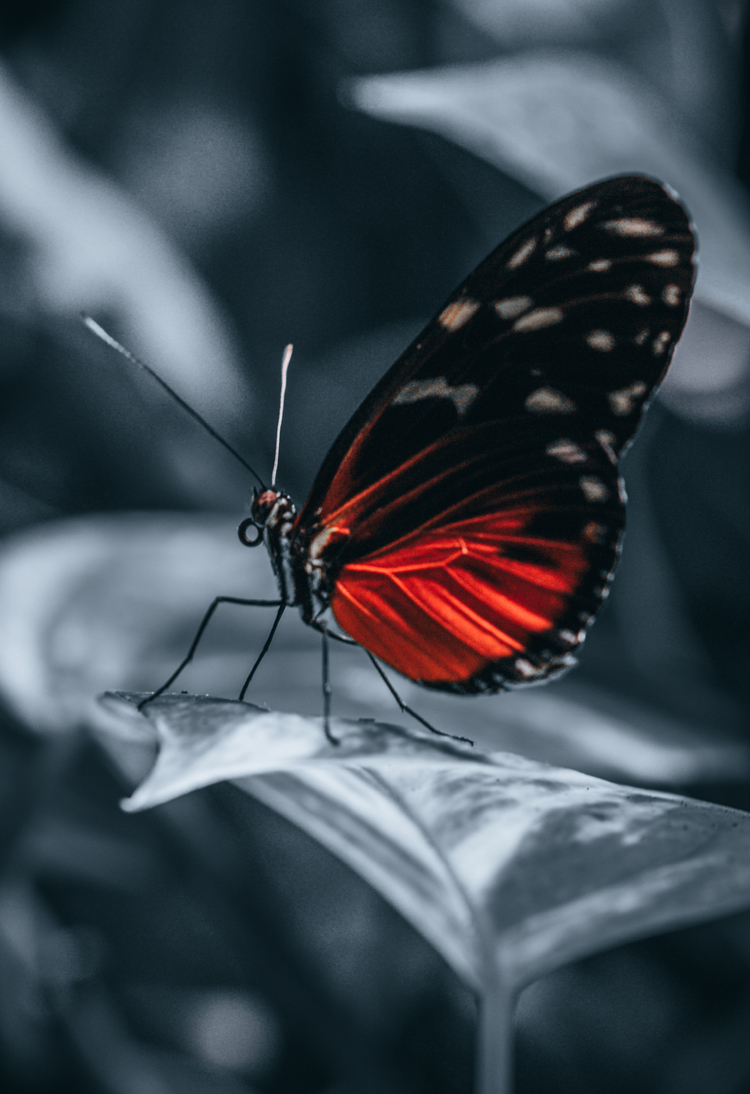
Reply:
x=518, y=21
x=501, y=862
x=95, y=249
x=93, y=602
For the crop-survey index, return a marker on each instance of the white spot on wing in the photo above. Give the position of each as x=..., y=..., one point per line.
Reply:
x=636, y=295
x=641, y=337
x=594, y=532
x=545, y=400
x=661, y=342
x=524, y=668
x=663, y=258
x=578, y=215
x=538, y=319
x=558, y=252
x=633, y=227
x=671, y=295
x=567, y=451
x=623, y=401
x=457, y=314
x=522, y=253
x=513, y=306
x=607, y=440
x=593, y=488
x=601, y=340
x=599, y=265
x=462, y=396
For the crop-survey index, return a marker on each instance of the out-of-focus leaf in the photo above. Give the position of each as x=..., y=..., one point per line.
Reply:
x=559, y=120
x=112, y=602
x=94, y=249
x=19, y=507
x=493, y=857
x=523, y=21
x=197, y=166
x=91, y=601
x=687, y=49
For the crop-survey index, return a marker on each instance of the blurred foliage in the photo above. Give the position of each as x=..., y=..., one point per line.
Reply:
x=123, y=943
x=209, y=946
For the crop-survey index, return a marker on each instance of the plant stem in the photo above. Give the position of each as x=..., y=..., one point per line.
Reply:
x=495, y=1047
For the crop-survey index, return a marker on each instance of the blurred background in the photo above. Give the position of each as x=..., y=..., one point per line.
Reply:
x=212, y=181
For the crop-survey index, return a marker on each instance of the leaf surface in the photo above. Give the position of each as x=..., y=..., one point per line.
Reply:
x=496, y=859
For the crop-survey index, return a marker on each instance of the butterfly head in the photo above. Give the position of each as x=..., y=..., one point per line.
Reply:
x=271, y=510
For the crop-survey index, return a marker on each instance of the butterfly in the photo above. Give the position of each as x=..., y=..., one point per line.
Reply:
x=465, y=524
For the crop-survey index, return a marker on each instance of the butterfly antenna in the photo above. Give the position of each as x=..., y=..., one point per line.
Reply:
x=101, y=333
x=284, y=370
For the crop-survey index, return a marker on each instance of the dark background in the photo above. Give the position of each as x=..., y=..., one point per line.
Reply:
x=207, y=946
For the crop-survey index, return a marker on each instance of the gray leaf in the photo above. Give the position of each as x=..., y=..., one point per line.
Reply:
x=493, y=857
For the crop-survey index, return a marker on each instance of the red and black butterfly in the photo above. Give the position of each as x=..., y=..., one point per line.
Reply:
x=465, y=524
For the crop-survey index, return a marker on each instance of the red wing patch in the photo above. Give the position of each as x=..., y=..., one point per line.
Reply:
x=461, y=608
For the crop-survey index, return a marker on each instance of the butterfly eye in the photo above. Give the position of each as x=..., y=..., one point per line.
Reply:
x=246, y=540
x=263, y=505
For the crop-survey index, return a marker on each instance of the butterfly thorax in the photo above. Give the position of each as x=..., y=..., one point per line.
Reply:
x=273, y=513
x=300, y=557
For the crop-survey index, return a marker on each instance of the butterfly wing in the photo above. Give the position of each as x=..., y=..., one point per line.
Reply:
x=469, y=515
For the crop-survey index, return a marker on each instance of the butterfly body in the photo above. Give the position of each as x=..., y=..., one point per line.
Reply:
x=466, y=522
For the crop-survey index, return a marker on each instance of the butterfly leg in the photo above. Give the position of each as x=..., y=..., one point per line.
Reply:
x=264, y=651
x=199, y=634
x=327, y=691
x=408, y=710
